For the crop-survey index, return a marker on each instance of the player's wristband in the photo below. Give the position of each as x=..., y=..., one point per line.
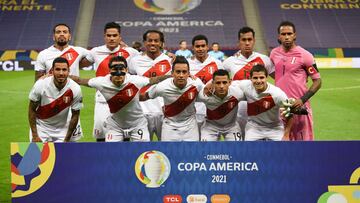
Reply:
x=307, y=96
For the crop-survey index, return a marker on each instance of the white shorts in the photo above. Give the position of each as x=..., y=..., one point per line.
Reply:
x=253, y=132
x=101, y=112
x=184, y=133
x=57, y=135
x=210, y=132
x=114, y=133
x=155, y=123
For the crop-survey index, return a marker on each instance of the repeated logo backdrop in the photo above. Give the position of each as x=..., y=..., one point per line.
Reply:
x=243, y=172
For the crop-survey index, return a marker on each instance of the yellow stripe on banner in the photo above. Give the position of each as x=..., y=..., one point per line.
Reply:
x=10, y=55
x=339, y=53
x=33, y=54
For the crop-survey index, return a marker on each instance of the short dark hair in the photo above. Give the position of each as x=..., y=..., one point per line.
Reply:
x=61, y=24
x=110, y=25
x=60, y=60
x=117, y=59
x=221, y=72
x=181, y=41
x=180, y=59
x=258, y=68
x=244, y=30
x=215, y=43
x=199, y=37
x=162, y=38
x=286, y=23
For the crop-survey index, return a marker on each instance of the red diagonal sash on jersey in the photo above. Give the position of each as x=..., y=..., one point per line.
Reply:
x=122, y=98
x=70, y=56
x=103, y=68
x=260, y=106
x=181, y=103
x=56, y=106
x=244, y=72
x=222, y=110
x=159, y=69
x=205, y=74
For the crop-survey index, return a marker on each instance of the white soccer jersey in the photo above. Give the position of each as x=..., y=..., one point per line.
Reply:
x=263, y=108
x=239, y=66
x=101, y=56
x=145, y=66
x=179, y=108
x=55, y=105
x=71, y=53
x=222, y=113
x=123, y=101
x=204, y=70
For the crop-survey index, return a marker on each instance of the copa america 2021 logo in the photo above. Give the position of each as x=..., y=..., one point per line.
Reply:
x=152, y=168
x=167, y=7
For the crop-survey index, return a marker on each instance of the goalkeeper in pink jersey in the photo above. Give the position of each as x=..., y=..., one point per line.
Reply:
x=293, y=66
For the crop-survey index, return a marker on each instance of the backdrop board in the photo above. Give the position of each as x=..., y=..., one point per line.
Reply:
x=239, y=172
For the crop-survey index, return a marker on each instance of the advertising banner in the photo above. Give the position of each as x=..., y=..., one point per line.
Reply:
x=193, y=172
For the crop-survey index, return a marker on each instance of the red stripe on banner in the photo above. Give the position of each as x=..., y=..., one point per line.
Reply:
x=55, y=107
x=222, y=110
x=260, y=106
x=70, y=55
x=103, y=68
x=244, y=72
x=205, y=74
x=122, y=98
x=181, y=103
x=159, y=69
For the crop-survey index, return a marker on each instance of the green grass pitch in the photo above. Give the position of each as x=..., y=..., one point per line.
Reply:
x=336, y=109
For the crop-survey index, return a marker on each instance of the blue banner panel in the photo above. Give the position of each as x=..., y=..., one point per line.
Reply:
x=238, y=172
x=219, y=20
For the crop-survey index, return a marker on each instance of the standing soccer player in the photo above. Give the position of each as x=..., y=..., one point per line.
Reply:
x=222, y=108
x=202, y=65
x=121, y=92
x=152, y=63
x=293, y=66
x=61, y=48
x=51, y=99
x=240, y=64
x=100, y=56
x=179, y=94
x=264, y=101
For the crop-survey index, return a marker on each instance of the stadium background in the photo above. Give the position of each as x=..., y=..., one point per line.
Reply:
x=328, y=30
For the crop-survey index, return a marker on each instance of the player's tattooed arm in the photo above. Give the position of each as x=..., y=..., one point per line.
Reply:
x=32, y=121
x=155, y=80
x=39, y=74
x=73, y=123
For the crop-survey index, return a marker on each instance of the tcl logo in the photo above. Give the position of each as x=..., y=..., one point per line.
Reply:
x=172, y=199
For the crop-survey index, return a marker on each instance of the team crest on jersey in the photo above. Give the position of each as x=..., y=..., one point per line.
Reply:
x=129, y=92
x=162, y=68
x=266, y=104
x=120, y=53
x=211, y=69
x=231, y=105
x=191, y=95
x=66, y=99
x=69, y=56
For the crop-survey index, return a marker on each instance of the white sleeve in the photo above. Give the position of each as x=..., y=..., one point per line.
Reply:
x=202, y=97
x=219, y=64
x=226, y=66
x=154, y=91
x=131, y=67
x=77, y=102
x=36, y=91
x=40, y=63
x=91, y=56
x=269, y=65
x=280, y=96
x=96, y=83
x=141, y=80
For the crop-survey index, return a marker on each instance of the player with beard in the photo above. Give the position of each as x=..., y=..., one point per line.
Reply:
x=61, y=48
x=51, y=100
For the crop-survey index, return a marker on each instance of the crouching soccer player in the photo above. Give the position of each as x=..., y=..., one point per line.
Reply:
x=264, y=101
x=51, y=99
x=179, y=94
x=121, y=91
x=221, y=109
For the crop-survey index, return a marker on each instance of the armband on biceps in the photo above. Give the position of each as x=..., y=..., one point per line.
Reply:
x=307, y=96
x=312, y=69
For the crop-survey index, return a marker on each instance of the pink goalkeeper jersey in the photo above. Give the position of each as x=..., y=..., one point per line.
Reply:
x=292, y=70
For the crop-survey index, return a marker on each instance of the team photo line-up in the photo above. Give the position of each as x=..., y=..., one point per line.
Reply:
x=182, y=97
